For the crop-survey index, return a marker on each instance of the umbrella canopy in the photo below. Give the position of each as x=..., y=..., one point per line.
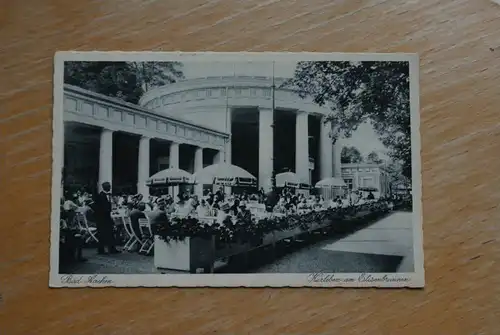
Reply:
x=170, y=176
x=368, y=189
x=289, y=179
x=225, y=174
x=304, y=186
x=330, y=183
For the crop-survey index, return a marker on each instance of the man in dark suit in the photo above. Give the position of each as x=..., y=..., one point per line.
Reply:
x=104, y=222
x=220, y=194
x=271, y=200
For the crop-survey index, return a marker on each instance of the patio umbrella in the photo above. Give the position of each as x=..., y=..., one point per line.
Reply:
x=288, y=179
x=330, y=183
x=368, y=189
x=169, y=177
x=304, y=186
x=225, y=174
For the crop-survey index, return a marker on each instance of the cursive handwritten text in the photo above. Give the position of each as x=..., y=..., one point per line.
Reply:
x=83, y=280
x=320, y=277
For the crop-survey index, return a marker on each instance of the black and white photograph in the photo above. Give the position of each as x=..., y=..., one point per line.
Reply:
x=236, y=170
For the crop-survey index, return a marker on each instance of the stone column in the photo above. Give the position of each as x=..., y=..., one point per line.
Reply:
x=337, y=153
x=106, y=158
x=226, y=157
x=173, y=159
x=228, y=146
x=302, y=147
x=198, y=166
x=266, y=147
x=326, y=150
x=143, y=166
x=355, y=184
x=219, y=157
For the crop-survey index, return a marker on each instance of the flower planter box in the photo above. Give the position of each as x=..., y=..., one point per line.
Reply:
x=268, y=239
x=189, y=254
x=192, y=254
x=284, y=234
x=232, y=249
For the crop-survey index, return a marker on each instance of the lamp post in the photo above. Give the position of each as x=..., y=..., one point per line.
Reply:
x=273, y=105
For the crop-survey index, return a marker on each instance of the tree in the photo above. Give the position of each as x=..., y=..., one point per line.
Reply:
x=373, y=157
x=393, y=169
x=358, y=92
x=154, y=74
x=124, y=80
x=350, y=155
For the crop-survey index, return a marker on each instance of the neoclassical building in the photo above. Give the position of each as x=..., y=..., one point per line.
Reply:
x=194, y=123
x=359, y=175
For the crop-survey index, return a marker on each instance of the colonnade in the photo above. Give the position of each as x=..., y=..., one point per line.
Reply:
x=329, y=153
x=106, y=161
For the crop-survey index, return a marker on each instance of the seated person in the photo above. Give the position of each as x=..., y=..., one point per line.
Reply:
x=88, y=211
x=234, y=207
x=70, y=245
x=302, y=206
x=136, y=214
x=170, y=205
x=159, y=215
x=182, y=208
x=202, y=209
x=70, y=208
x=223, y=214
x=243, y=213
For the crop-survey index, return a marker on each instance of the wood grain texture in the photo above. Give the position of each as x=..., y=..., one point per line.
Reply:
x=459, y=45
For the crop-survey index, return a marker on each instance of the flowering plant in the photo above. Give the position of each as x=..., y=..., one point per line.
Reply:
x=250, y=229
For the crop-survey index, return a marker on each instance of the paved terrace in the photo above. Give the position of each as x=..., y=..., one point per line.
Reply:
x=385, y=246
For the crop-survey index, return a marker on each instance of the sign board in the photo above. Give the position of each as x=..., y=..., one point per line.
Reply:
x=232, y=181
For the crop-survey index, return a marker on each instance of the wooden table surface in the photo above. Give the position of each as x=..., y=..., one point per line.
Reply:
x=459, y=45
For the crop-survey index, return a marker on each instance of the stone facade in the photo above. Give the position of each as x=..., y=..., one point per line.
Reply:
x=366, y=175
x=215, y=100
x=85, y=108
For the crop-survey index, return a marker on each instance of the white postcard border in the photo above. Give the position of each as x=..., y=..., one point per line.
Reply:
x=415, y=279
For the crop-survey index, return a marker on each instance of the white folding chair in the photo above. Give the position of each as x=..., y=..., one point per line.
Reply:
x=133, y=239
x=63, y=224
x=147, y=236
x=89, y=232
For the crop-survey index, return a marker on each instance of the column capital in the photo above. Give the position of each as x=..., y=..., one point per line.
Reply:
x=106, y=130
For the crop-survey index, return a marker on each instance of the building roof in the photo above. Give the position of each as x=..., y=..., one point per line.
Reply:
x=361, y=165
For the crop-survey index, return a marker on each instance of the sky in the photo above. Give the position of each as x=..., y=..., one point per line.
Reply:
x=364, y=138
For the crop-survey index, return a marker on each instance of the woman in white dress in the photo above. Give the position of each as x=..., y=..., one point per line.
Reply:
x=182, y=209
x=202, y=210
x=223, y=213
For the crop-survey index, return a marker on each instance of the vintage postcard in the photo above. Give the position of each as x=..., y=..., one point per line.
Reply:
x=236, y=169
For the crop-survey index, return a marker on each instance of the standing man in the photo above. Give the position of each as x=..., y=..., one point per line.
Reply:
x=104, y=222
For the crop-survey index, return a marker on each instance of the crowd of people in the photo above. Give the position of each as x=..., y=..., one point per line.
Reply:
x=100, y=209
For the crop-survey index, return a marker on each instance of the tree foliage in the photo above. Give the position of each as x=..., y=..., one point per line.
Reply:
x=393, y=170
x=373, y=157
x=357, y=92
x=350, y=155
x=124, y=80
